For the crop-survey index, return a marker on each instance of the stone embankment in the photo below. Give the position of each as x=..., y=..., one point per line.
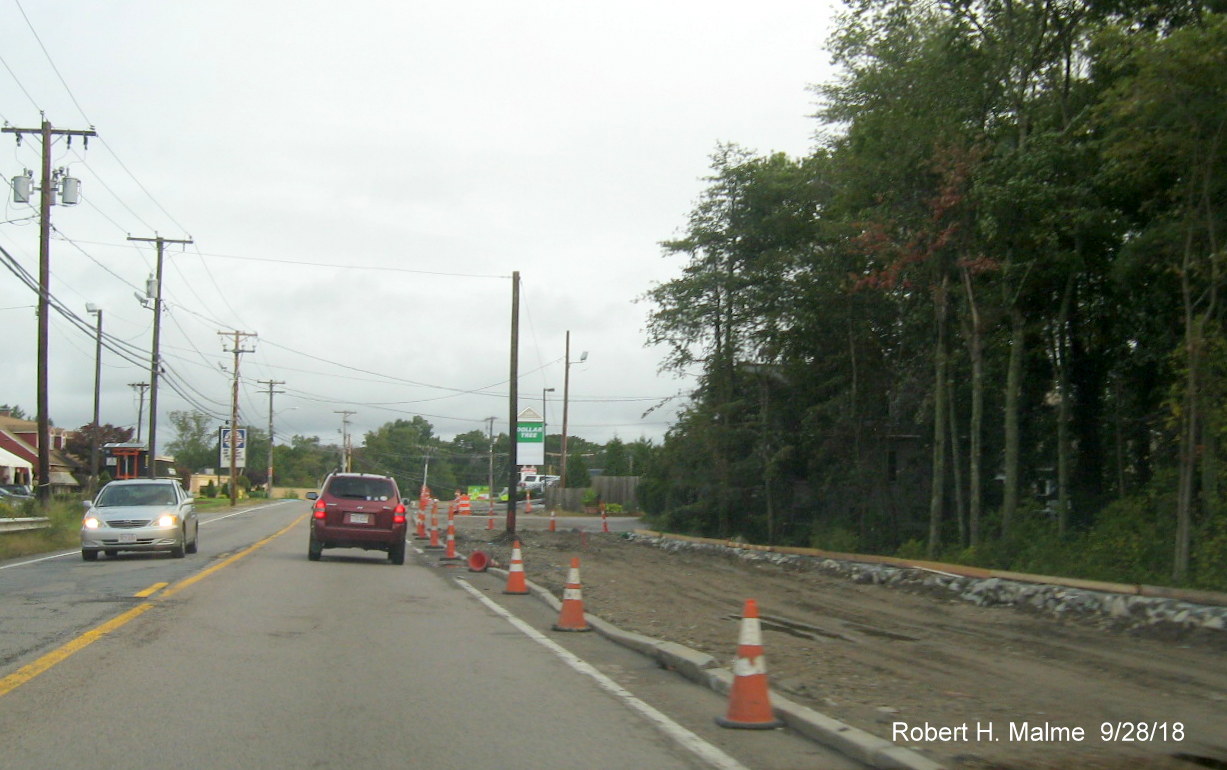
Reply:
x=1127, y=609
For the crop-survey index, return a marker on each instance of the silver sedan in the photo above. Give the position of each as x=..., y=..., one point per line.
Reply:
x=140, y=515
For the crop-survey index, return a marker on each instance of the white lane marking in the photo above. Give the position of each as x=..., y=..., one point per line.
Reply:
x=75, y=552
x=36, y=561
x=688, y=740
x=246, y=510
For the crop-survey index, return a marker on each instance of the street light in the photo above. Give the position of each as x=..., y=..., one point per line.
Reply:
x=566, y=397
x=545, y=434
x=93, y=441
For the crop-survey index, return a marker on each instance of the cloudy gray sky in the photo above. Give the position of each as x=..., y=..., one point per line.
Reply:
x=361, y=179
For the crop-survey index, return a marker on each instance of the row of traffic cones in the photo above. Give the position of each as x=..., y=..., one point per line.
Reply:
x=749, y=698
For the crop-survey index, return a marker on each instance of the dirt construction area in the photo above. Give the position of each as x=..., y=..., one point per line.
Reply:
x=966, y=686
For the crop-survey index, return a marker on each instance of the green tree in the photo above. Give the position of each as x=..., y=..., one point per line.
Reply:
x=617, y=458
x=80, y=442
x=399, y=449
x=195, y=443
x=1166, y=132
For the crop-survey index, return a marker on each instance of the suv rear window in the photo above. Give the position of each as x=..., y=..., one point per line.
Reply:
x=350, y=488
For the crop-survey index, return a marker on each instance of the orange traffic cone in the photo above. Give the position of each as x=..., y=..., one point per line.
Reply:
x=434, y=529
x=516, y=583
x=451, y=543
x=552, y=523
x=421, y=525
x=490, y=520
x=528, y=501
x=604, y=520
x=572, y=616
x=749, y=699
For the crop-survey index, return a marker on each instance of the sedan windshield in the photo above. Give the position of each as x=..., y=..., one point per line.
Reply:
x=137, y=494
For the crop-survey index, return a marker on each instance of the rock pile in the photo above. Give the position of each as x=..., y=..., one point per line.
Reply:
x=1054, y=600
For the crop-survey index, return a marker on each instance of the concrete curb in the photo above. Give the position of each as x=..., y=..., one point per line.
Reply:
x=703, y=669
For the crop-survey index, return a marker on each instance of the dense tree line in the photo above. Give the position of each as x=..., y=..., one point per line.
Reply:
x=982, y=320
x=406, y=449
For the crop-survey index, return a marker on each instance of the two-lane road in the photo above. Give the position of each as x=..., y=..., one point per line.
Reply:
x=249, y=655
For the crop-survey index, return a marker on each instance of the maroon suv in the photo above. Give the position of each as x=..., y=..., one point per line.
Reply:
x=358, y=510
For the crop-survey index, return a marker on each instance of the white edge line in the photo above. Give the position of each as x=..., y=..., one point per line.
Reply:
x=76, y=551
x=688, y=740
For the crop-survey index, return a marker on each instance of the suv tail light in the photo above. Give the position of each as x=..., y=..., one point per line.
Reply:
x=398, y=514
x=319, y=509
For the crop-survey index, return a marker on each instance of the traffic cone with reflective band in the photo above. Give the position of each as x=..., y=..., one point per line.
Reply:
x=572, y=616
x=451, y=543
x=421, y=525
x=516, y=583
x=552, y=523
x=749, y=699
x=434, y=528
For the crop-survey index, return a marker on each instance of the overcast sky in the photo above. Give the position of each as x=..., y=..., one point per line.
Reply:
x=360, y=180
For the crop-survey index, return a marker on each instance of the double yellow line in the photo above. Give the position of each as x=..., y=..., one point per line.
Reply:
x=62, y=653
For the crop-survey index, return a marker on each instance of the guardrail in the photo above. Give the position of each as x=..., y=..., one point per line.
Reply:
x=23, y=524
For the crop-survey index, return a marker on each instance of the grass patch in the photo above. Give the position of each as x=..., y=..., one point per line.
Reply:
x=64, y=532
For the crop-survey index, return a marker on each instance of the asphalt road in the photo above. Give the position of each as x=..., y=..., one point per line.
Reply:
x=248, y=655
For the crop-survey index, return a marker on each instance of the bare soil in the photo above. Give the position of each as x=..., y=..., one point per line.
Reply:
x=873, y=655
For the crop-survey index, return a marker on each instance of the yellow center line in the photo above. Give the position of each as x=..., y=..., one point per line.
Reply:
x=150, y=591
x=70, y=648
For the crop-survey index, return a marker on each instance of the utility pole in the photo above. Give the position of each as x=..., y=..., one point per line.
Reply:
x=271, y=384
x=93, y=441
x=513, y=484
x=47, y=195
x=155, y=364
x=140, y=405
x=346, y=462
x=237, y=350
x=490, y=436
x=566, y=398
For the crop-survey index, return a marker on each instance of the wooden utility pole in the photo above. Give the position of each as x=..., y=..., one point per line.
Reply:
x=93, y=441
x=490, y=469
x=513, y=483
x=47, y=194
x=237, y=350
x=140, y=408
x=155, y=364
x=346, y=460
x=271, y=384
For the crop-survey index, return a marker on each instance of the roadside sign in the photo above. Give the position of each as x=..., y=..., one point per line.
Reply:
x=530, y=438
x=238, y=446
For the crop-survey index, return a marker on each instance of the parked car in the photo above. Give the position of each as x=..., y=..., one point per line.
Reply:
x=537, y=482
x=358, y=510
x=16, y=491
x=140, y=515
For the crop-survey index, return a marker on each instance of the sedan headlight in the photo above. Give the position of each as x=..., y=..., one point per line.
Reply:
x=91, y=522
x=168, y=520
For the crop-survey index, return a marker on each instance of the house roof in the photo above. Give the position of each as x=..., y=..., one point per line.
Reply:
x=10, y=460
